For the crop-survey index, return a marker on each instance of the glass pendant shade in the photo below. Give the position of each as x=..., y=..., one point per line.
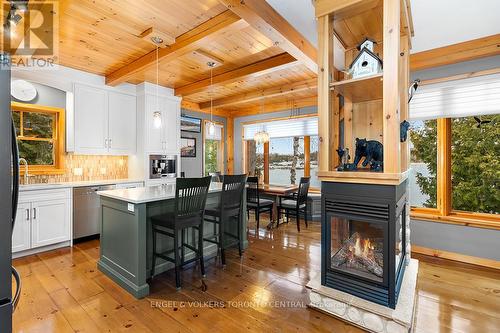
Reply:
x=157, y=119
x=261, y=137
x=211, y=128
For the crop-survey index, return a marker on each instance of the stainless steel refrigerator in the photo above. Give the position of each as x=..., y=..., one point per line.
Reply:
x=9, y=192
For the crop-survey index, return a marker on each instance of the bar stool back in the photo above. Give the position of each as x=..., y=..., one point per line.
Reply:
x=229, y=209
x=189, y=209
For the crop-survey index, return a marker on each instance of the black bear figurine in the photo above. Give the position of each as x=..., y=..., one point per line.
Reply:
x=372, y=151
x=403, y=130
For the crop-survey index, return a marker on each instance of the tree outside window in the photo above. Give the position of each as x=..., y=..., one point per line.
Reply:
x=475, y=167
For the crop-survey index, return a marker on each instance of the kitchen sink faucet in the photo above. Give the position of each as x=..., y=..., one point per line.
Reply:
x=26, y=175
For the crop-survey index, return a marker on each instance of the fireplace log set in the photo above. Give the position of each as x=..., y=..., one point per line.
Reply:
x=359, y=253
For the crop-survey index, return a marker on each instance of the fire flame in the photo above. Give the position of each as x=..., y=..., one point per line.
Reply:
x=363, y=248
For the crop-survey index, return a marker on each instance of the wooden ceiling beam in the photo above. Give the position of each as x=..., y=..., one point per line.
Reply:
x=326, y=7
x=261, y=67
x=452, y=54
x=192, y=106
x=267, y=93
x=187, y=42
x=262, y=17
x=274, y=107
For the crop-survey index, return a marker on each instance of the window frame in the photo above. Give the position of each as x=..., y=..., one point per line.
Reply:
x=307, y=151
x=221, y=156
x=58, y=137
x=444, y=212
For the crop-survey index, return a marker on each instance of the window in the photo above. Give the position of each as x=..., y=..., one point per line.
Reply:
x=286, y=160
x=213, y=156
x=313, y=162
x=475, y=164
x=291, y=153
x=40, y=136
x=255, y=159
x=423, y=163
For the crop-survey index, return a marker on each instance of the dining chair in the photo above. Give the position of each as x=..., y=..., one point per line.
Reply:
x=296, y=203
x=189, y=209
x=254, y=202
x=216, y=176
x=226, y=211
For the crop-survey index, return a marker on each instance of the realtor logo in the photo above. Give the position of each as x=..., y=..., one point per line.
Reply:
x=30, y=32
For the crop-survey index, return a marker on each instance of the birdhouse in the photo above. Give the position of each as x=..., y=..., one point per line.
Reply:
x=367, y=62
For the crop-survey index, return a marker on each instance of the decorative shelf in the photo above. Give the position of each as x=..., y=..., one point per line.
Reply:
x=363, y=176
x=363, y=89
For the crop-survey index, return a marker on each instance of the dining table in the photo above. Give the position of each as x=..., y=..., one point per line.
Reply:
x=276, y=191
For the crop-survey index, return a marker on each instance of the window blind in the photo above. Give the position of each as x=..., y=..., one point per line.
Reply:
x=217, y=134
x=459, y=98
x=283, y=128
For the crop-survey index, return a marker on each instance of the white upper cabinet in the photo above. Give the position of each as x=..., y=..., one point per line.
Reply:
x=91, y=120
x=104, y=121
x=165, y=138
x=172, y=129
x=154, y=134
x=122, y=123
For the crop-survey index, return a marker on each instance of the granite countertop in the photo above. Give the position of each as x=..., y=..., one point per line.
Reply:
x=149, y=194
x=50, y=186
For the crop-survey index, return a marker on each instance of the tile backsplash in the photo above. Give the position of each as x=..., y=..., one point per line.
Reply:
x=87, y=167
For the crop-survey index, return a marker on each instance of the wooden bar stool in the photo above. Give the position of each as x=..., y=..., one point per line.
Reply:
x=189, y=210
x=228, y=210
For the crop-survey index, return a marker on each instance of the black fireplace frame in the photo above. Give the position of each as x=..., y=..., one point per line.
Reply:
x=388, y=202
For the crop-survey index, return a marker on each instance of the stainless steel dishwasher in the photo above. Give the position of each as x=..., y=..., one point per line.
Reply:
x=86, y=210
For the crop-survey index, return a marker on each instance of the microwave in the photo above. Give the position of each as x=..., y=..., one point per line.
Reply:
x=161, y=166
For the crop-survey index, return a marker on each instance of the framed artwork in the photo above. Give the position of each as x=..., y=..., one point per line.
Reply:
x=188, y=147
x=190, y=124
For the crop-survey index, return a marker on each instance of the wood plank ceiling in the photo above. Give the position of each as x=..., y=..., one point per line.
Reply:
x=103, y=37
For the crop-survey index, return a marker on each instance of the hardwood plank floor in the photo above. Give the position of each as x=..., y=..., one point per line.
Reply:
x=264, y=291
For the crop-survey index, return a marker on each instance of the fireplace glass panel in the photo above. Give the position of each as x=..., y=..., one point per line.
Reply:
x=357, y=247
x=400, y=246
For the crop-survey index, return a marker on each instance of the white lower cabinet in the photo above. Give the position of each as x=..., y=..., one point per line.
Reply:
x=43, y=218
x=49, y=222
x=21, y=236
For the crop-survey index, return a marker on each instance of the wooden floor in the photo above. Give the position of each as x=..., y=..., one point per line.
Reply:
x=263, y=292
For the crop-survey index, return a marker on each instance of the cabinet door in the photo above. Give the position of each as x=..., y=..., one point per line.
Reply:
x=122, y=124
x=91, y=120
x=172, y=126
x=50, y=222
x=21, y=236
x=155, y=141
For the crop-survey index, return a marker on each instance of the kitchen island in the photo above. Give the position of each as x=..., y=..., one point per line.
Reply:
x=126, y=237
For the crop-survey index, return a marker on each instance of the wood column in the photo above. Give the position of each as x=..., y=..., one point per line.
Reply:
x=266, y=163
x=404, y=70
x=307, y=156
x=325, y=70
x=391, y=104
x=230, y=146
x=444, y=166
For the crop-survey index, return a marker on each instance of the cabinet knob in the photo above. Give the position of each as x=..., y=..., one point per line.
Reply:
x=27, y=214
x=34, y=213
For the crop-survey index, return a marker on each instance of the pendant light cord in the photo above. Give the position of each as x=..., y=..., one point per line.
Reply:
x=211, y=93
x=157, y=80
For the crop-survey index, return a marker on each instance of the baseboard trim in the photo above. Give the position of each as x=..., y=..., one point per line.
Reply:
x=456, y=257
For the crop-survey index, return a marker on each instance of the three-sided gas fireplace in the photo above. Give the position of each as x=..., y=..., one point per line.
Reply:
x=364, y=239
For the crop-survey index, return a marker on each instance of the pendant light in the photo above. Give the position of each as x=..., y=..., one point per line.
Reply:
x=157, y=113
x=261, y=136
x=211, y=125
